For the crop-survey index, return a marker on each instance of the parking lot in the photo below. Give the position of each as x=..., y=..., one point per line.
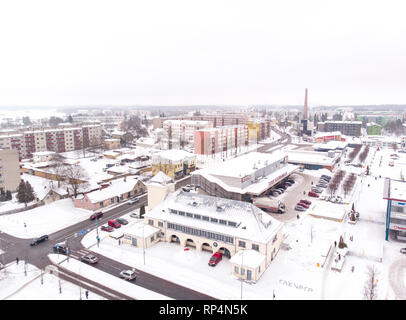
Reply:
x=293, y=194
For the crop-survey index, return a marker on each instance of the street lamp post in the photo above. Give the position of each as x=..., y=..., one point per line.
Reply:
x=143, y=241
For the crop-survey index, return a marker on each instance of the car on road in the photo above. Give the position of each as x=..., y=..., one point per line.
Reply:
x=402, y=151
x=38, y=240
x=128, y=275
x=313, y=194
x=96, y=215
x=60, y=248
x=403, y=250
x=185, y=189
x=306, y=202
x=89, y=258
x=122, y=221
x=215, y=259
x=107, y=228
x=133, y=200
x=114, y=224
x=300, y=208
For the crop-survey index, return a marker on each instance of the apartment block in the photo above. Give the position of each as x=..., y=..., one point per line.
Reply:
x=10, y=176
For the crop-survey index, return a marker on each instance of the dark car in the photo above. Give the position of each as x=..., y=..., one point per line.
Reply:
x=60, y=248
x=89, y=258
x=107, y=228
x=215, y=259
x=36, y=241
x=403, y=250
x=122, y=221
x=96, y=215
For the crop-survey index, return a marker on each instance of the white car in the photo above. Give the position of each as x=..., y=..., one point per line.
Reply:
x=133, y=200
x=128, y=275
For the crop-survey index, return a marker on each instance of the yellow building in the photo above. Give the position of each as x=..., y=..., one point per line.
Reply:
x=174, y=163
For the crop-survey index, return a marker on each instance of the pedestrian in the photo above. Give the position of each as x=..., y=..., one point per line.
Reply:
x=352, y=269
x=87, y=294
x=297, y=216
x=17, y=260
x=304, y=192
x=335, y=243
x=119, y=242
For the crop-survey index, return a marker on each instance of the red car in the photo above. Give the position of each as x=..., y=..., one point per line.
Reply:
x=305, y=202
x=107, y=228
x=114, y=224
x=313, y=194
x=302, y=204
x=96, y=215
x=215, y=259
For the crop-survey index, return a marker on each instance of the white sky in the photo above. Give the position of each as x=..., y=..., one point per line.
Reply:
x=181, y=52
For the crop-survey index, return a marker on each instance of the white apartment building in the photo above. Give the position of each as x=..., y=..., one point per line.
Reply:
x=179, y=133
x=10, y=175
x=51, y=139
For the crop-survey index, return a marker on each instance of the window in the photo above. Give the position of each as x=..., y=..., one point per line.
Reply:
x=181, y=213
x=152, y=238
x=205, y=218
x=101, y=203
x=151, y=222
x=189, y=215
x=242, y=271
x=236, y=269
x=232, y=224
x=275, y=238
x=241, y=244
x=213, y=220
x=197, y=216
x=160, y=224
x=397, y=209
x=223, y=221
x=255, y=247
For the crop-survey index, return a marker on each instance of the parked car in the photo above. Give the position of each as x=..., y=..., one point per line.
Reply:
x=290, y=180
x=304, y=205
x=402, y=151
x=321, y=185
x=313, y=194
x=60, y=248
x=403, y=250
x=96, y=215
x=306, y=202
x=185, y=189
x=289, y=184
x=215, y=259
x=134, y=215
x=107, y=228
x=38, y=240
x=281, y=190
x=114, y=224
x=128, y=275
x=324, y=181
x=317, y=190
x=122, y=221
x=275, y=194
x=325, y=176
x=89, y=258
x=133, y=200
x=299, y=208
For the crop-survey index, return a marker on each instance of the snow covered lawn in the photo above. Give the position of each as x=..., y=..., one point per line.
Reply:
x=43, y=220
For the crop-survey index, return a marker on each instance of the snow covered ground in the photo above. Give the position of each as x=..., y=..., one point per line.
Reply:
x=16, y=284
x=294, y=274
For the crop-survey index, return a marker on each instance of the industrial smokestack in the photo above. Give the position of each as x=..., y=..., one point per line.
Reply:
x=305, y=106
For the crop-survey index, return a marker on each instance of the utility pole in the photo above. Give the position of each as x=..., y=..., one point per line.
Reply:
x=143, y=241
x=242, y=268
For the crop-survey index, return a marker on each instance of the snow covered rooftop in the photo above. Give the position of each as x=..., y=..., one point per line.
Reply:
x=394, y=190
x=117, y=188
x=141, y=229
x=248, y=258
x=161, y=178
x=311, y=157
x=173, y=155
x=239, y=219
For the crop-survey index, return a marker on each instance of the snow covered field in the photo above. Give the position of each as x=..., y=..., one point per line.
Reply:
x=295, y=273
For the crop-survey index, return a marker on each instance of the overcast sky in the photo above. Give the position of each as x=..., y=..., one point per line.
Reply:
x=186, y=52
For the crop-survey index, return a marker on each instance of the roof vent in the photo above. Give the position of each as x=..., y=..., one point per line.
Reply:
x=219, y=208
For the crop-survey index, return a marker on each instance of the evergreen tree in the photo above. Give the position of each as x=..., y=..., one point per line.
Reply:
x=2, y=195
x=142, y=211
x=8, y=195
x=29, y=192
x=21, y=194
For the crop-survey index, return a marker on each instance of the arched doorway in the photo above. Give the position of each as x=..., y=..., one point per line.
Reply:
x=225, y=252
x=190, y=243
x=175, y=239
x=207, y=247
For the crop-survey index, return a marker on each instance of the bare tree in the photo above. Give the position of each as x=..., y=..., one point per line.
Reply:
x=59, y=168
x=370, y=287
x=76, y=178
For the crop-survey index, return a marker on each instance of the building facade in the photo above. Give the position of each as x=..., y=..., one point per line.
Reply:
x=213, y=224
x=10, y=174
x=220, y=139
x=395, y=193
x=174, y=163
x=180, y=133
x=51, y=139
x=348, y=128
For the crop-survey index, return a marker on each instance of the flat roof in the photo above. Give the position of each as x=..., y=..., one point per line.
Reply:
x=310, y=157
x=394, y=190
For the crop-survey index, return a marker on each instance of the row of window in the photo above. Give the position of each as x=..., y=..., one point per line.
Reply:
x=201, y=233
x=398, y=221
x=398, y=209
x=205, y=218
